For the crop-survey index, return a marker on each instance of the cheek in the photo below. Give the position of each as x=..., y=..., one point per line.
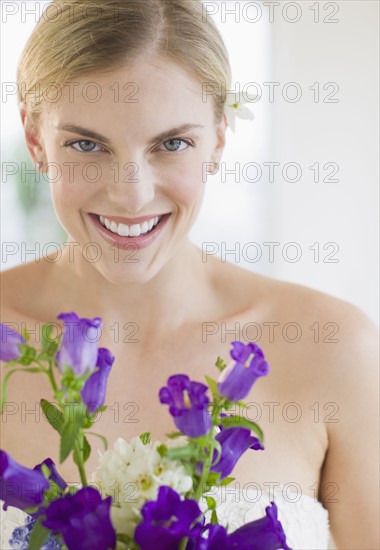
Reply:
x=72, y=185
x=72, y=180
x=184, y=183
x=70, y=193
x=185, y=188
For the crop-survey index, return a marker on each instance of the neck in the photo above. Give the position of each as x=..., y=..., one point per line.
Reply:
x=178, y=293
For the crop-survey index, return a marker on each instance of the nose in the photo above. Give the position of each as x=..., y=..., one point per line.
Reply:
x=132, y=185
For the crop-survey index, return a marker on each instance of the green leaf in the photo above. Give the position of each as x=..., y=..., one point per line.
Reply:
x=212, y=478
x=218, y=448
x=162, y=449
x=184, y=451
x=86, y=449
x=220, y=364
x=86, y=452
x=53, y=415
x=226, y=481
x=173, y=435
x=46, y=335
x=70, y=431
x=213, y=385
x=211, y=502
x=236, y=421
x=145, y=437
x=38, y=536
x=214, y=517
x=49, y=343
x=53, y=492
x=45, y=470
x=28, y=355
x=128, y=541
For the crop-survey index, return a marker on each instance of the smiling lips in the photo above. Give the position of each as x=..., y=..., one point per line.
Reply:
x=130, y=230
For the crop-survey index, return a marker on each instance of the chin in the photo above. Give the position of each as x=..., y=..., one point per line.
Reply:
x=128, y=274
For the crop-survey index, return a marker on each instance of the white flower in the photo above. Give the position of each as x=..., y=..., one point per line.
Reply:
x=235, y=108
x=132, y=474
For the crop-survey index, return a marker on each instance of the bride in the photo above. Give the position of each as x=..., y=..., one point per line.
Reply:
x=125, y=143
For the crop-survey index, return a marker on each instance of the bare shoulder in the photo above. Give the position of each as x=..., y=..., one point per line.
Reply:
x=336, y=333
x=341, y=355
x=309, y=334
x=20, y=286
x=286, y=301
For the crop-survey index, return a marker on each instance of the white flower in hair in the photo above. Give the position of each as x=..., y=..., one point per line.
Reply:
x=235, y=107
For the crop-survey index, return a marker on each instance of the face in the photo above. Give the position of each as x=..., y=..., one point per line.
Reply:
x=126, y=156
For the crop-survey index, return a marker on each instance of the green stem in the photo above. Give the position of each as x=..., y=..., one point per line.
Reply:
x=207, y=462
x=183, y=543
x=79, y=450
x=204, y=475
x=50, y=374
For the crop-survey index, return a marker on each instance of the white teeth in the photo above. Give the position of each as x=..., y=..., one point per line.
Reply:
x=123, y=230
x=134, y=230
x=144, y=227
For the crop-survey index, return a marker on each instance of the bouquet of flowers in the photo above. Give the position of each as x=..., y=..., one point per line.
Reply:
x=170, y=480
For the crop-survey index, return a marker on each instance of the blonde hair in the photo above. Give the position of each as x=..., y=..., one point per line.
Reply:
x=74, y=38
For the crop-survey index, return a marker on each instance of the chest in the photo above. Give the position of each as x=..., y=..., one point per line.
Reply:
x=280, y=403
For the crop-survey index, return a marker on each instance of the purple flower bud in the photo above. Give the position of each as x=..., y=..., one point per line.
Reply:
x=79, y=345
x=83, y=520
x=236, y=381
x=263, y=534
x=216, y=539
x=10, y=341
x=266, y=532
x=234, y=442
x=94, y=390
x=188, y=405
x=54, y=475
x=19, y=486
x=167, y=520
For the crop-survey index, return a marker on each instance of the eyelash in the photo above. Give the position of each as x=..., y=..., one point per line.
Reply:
x=72, y=142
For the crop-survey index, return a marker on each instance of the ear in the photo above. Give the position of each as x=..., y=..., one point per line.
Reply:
x=221, y=140
x=32, y=136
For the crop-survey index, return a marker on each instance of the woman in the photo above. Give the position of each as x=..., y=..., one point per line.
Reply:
x=124, y=142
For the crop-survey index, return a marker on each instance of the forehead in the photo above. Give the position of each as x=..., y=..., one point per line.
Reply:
x=143, y=96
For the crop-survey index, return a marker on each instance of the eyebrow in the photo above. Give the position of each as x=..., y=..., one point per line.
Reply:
x=69, y=127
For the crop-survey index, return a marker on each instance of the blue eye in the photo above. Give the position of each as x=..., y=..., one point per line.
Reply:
x=85, y=145
x=174, y=145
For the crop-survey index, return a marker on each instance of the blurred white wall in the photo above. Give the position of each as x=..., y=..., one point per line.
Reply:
x=320, y=60
x=331, y=226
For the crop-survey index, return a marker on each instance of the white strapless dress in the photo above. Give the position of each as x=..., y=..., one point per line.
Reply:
x=305, y=520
